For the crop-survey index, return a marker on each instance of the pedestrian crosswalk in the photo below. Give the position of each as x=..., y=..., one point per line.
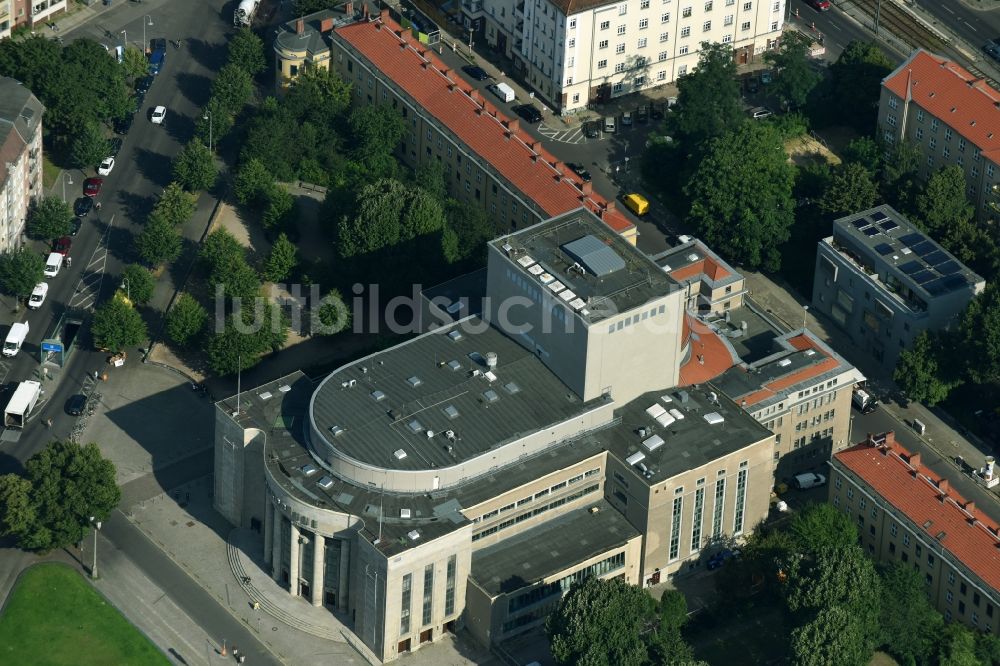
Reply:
x=572, y=135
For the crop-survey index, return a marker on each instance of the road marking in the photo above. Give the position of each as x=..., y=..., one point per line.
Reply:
x=834, y=25
x=89, y=287
x=950, y=11
x=970, y=25
x=572, y=136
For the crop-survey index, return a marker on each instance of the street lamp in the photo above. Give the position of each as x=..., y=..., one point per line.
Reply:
x=148, y=21
x=64, y=176
x=124, y=39
x=97, y=526
x=208, y=117
x=805, y=313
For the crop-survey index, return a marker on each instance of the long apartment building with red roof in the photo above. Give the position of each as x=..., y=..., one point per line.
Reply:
x=953, y=117
x=909, y=514
x=489, y=161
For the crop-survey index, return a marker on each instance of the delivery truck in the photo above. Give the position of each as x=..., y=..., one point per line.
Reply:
x=15, y=338
x=21, y=403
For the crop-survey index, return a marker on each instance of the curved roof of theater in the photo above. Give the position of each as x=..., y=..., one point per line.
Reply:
x=428, y=403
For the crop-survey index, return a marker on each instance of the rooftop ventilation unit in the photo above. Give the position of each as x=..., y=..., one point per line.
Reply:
x=325, y=483
x=655, y=410
x=450, y=434
x=525, y=261
x=785, y=362
x=404, y=513
x=379, y=396
x=636, y=458
x=490, y=377
x=308, y=469
x=454, y=365
x=336, y=430
x=665, y=420
x=399, y=454
x=677, y=414
x=413, y=535
x=714, y=418
x=491, y=360
x=414, y=381
x=266, y=395
x=455, y=336
x=284, y=388
x=594, y=255
x=653, y=443
x=349, y=383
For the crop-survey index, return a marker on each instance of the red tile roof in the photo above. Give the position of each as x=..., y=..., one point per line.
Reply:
x=969, y=534
x=949, y=92
x=474, y=121
x=709, y=355
x=707, y=266
x=800, y=342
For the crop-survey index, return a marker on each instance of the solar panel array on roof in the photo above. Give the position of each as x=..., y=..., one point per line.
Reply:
x=878, y=215
x=911, y=267
x=953, y=282
x=925, y=248
x=595, y=256
x=948, y=268
x=861, y=222
x=888, y=226
x=883, y=249
x=923, y=277
x=912, y=239
x=870, y=231
x=936, y=258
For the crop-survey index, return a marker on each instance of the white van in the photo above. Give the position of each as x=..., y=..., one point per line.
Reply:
x=53, y=264
x=503, y=91
x=38, y=295
x=808, y=480
x=15, y=338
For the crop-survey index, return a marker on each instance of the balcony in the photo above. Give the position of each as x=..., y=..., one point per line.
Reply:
x=519, y=8
x=891, y=286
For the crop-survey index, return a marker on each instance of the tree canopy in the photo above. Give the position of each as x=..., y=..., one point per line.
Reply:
x=909, y=624
x=856, y=82
x=943, y=202
x=48, y=218
x=20, y=270
x=117, y=326
x=390, y=213
x=90, y=146
x=281, y=261
x=979, y=332
x=138, y=283
x=65, y=484
x=159, y=243
x=851, y=188
x=185, y=320
x=194, y=167
x=821, y=527
x=919, y=371
x=175, y=205
x=247, y=336
x=708, y=100
x=796, y=75
x=246, y=51
x=741, y=196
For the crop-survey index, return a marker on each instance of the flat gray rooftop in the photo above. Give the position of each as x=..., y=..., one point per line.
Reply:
x=662, y=446
x=578, y=253
x=889, y=242
x=692, y=259
x=549, y=548
x=754, y=342
x=439, y=383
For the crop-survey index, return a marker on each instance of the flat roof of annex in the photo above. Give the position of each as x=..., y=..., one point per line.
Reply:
x=595, y=272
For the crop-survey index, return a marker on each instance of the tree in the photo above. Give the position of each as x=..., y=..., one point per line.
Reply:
x=602, y=623
x=48, y=218
x=943, y=203
x=376, y=130
x=901, y=174
x=194, y=167
x=251, y=181
x=389, y=213
x=856, y=79
x=135, y=63
x=979, y=332
x=232, y=88
x=281, y=262
x=242, y=342
x=246, y=51
x=175, y=205
x=851, y=188
x=117, y=325
x=185, y=320
x=280, y=207
x=908, y=623
x=919, y=372
x=741, y=196
x=20, y=270
x=333, y=314
x=832, y=637
x=429, y=176
x=820, y=527
x=220, y=249
x=214, y=122
x=865, y=151
x=238, y=280
x=467, y=229
x=138, y=283
x=957, y=647
x=795, y=77
x=159, y=243
x=318, y=96
x=673, y=610
x=90, y=146
x=64, y=486
x=708, y=101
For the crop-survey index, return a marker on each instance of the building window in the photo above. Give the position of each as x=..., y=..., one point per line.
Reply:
x=934, y=124
x=699, y=510
x=644, y=4
x=605, y=25
x=661, y=75
x=893, y=103
x=962, y=588
x=620, y=48
x=745, y=26
x=682, y=51
x=893, y=529
x=642, y=43
x=951, y=577
x=404, y=614
x=449, y=590
x=620, y=67
x=706, y=26
x=675, y=528
x=662, y=56
x=664, y=36
x=665, y=18
x=571, y=43
x=601, y=64
x=741, y=497
x=617, y=87
x=728, y=20
x=576, y=98
x=747, y=6
x=643, y=23
x=720, y=496
x=920, y=115
x=428, y=593
x=930, y=559
x=685, y=32
x=621, y=30
x=686, y=12
x=920, y=133
x=725, y=40
x=623, y=10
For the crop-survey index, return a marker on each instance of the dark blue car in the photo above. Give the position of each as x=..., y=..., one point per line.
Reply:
x=720, y=558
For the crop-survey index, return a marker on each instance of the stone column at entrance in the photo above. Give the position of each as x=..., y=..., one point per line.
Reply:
x=268, y=530
x=319, y=565
x=276, y=545
x=342, y=586
x=293, y=562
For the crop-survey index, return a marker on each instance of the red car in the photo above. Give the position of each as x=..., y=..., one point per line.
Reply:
x=821, y=5
x=63, y=246
x=92, y=186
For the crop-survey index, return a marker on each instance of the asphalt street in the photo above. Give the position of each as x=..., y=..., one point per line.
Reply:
x=974, y=26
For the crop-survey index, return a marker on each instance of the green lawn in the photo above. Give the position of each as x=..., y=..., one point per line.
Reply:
x=50, y=172
x=55, y=617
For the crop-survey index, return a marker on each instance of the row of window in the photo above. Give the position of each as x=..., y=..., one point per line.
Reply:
x=590, y=473
x=561, y=586
x=510, y=522
x=428, y=597
x=622, y=324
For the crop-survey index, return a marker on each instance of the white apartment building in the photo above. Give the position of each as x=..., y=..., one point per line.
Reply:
x=20, y=158
x=573, y=52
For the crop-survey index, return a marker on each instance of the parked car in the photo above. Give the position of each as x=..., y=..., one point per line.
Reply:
x=609, y=124
x=38, y=295
x=592, y=129
x=579, y=170
x=76, y=404
x=992, y=49
x=63, y=246
x=478, y=73
x=107, y=166
x=720, y=558
x=765, y=77
x=808, y=480
x=83, y=206
x=92, y=186
x=159, y=115
x=627, y=119
x=819, y=5
x=123, y=125
x=529, y=112
x=114, y=146
x=760, y=113
x=74, y=226
x=144, y=84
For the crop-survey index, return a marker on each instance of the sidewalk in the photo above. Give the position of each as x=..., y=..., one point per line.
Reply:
x=779, y=300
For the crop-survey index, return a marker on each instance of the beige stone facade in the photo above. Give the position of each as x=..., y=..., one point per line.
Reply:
x=21, y=155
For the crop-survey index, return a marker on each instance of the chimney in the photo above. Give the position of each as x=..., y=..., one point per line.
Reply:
x=512, y=125
x=383, y=15
x=587, y=188
x=914, y=460
x=533, y=145
x=611, y=207
x=300, y=26
x=970, y=506
x=326, y=25
x=988, y=470
x=445, y=71
x=944, y=486
x=535, y=157
x=378, y=25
